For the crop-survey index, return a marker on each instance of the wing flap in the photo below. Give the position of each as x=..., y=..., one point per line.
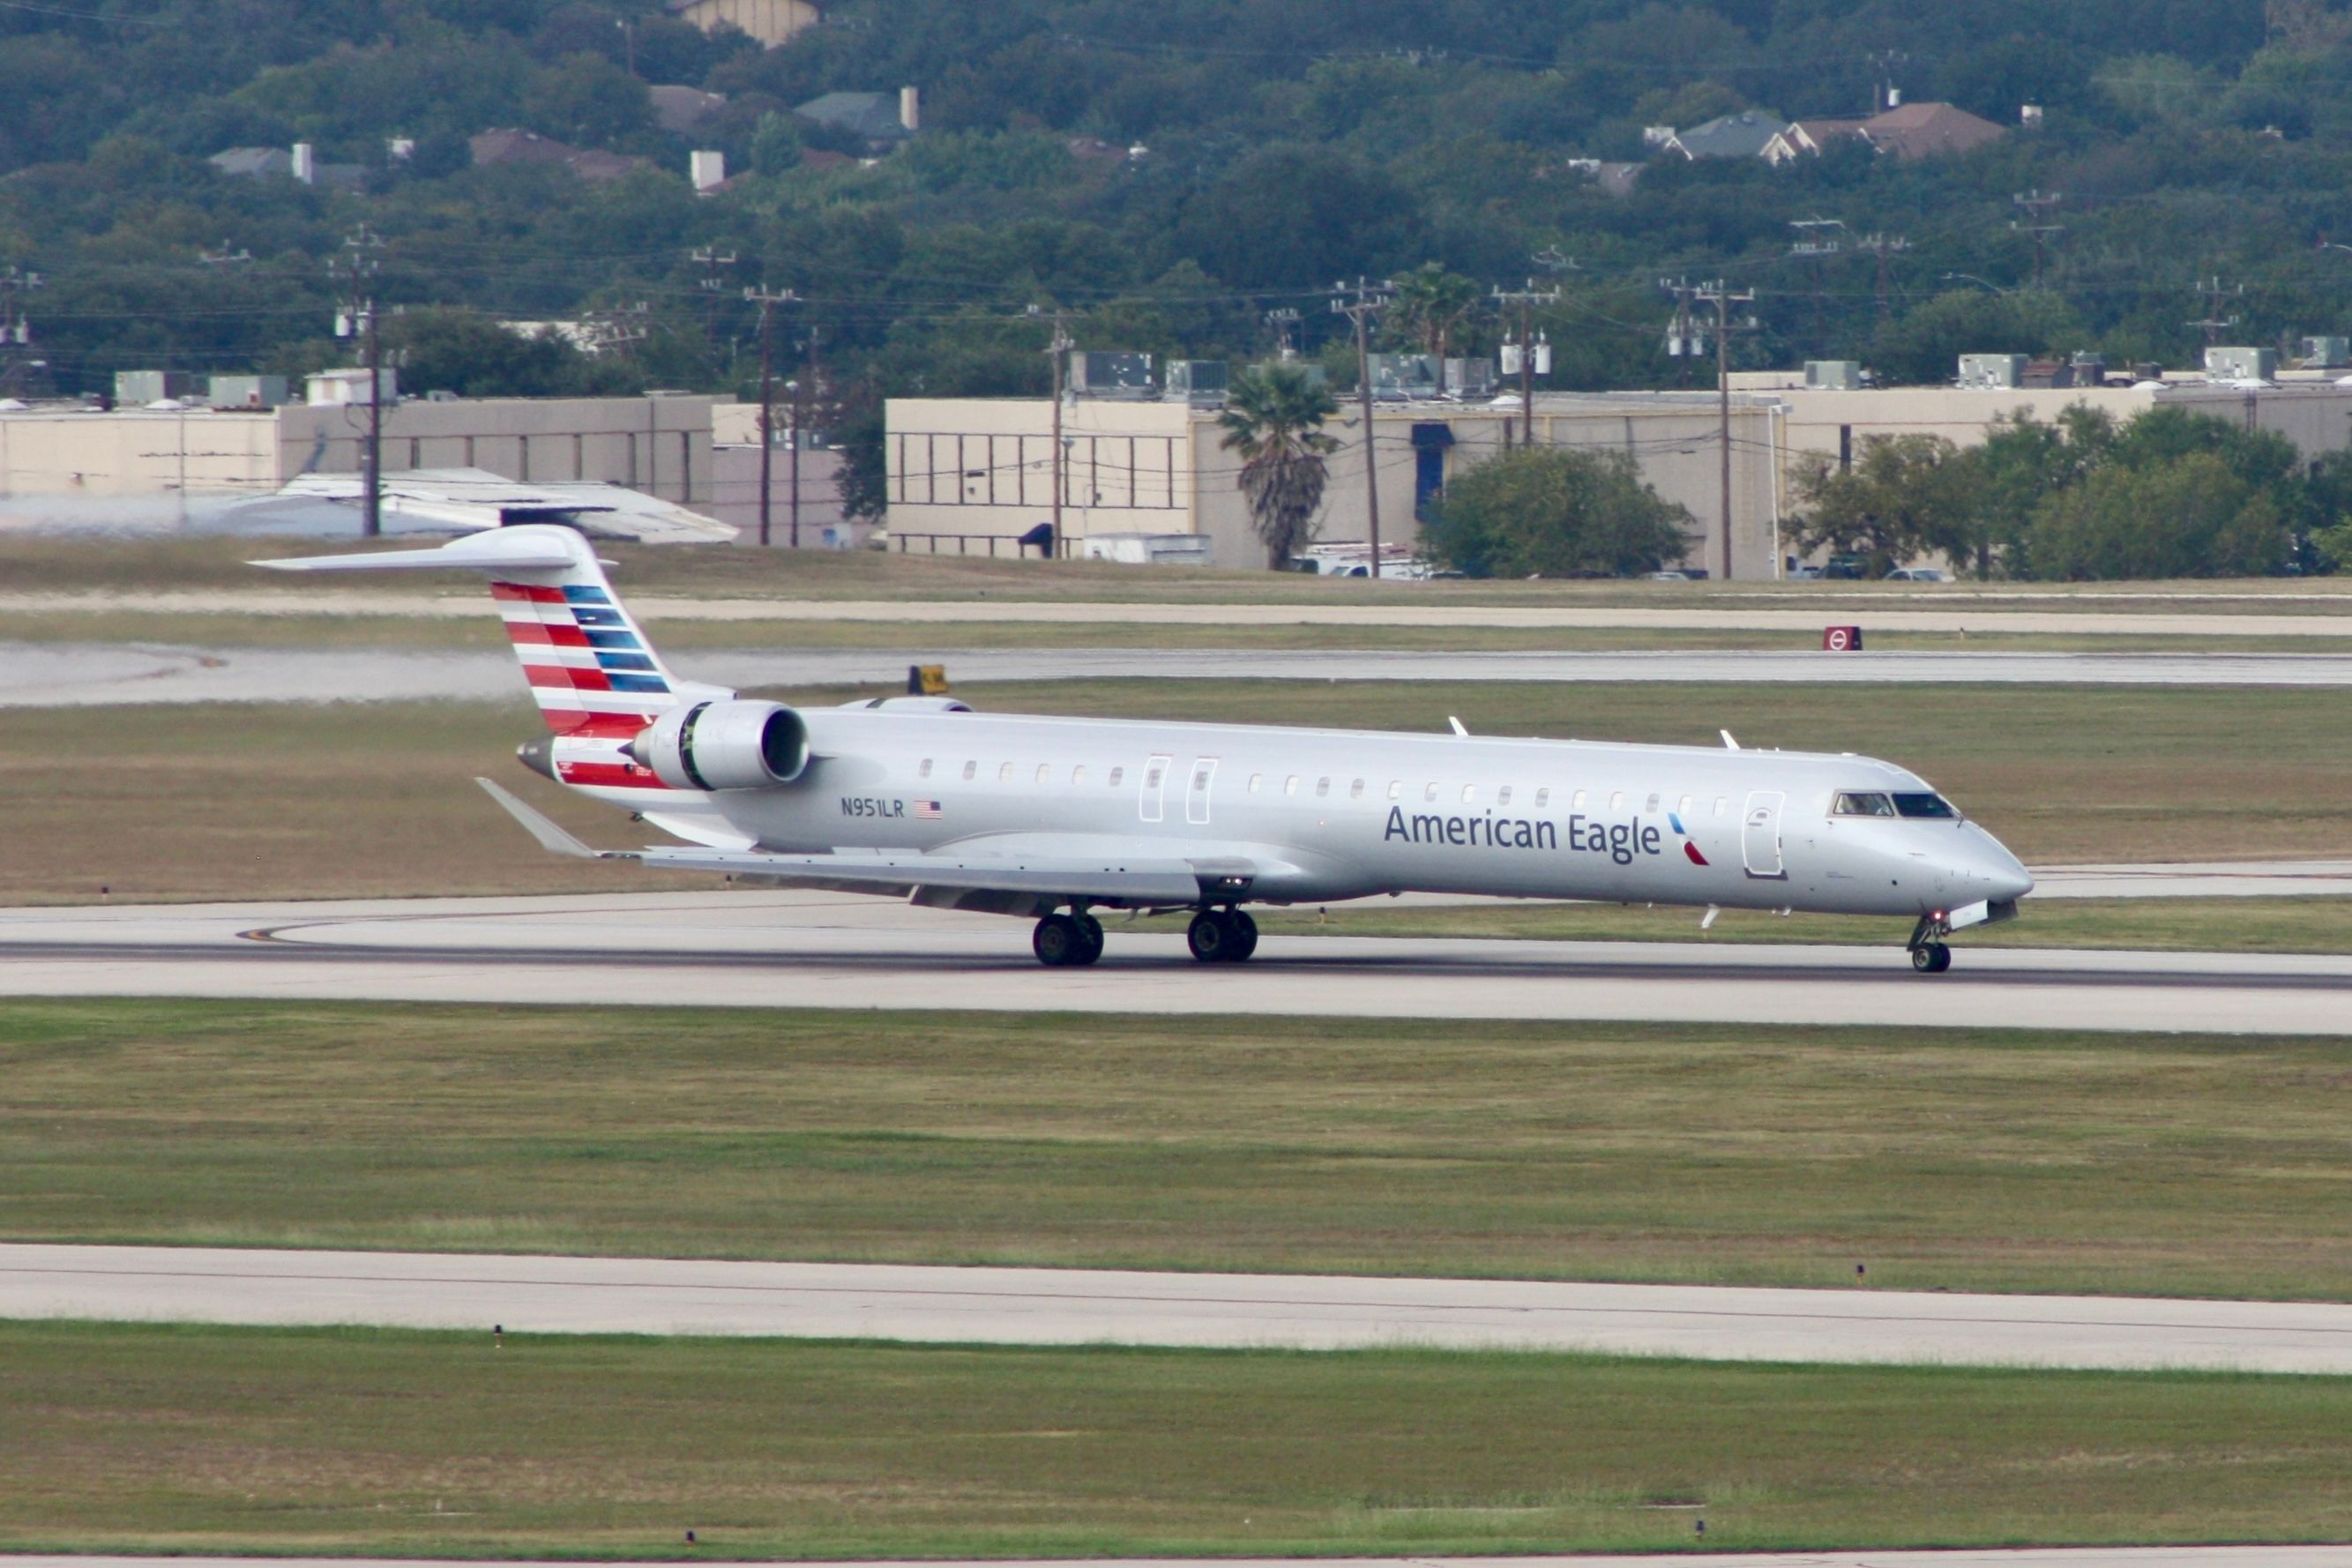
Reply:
x=1163, y=881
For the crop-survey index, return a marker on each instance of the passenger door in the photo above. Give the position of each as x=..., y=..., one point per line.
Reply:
x=1196, y=794
x=1759, y=834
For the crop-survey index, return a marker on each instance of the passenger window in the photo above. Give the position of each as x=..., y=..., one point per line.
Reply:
x=1429, y=794
x=1044, y=771
x=1653, y=807
x=1322, y=788
x=1152, y=779
x=1722, y=805
x=971, y=772
x=1116, y=774
x=1290, y=785
x=1356, y=790
x=1617, y=800
x=1396, y=789
x=924, y=770
x=1543, y=797
x=1201, y=779
x=1078, y=774
x=1004, y=773
x=1578, y=804
x=1256, y=780
x=1503, y=796
x=1685, y=808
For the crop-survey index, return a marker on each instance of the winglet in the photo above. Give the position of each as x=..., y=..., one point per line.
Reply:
x=1457, y=726
x=1729, y=744
x=550, y=837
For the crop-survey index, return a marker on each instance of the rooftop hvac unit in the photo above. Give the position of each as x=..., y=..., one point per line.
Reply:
x=1405, y=375
x=2242, y=364
x=2326, y=354
x=138, y=389
x=1992, y=371
x=1470, y=377
x=1110, y=375
x=1197, y=381
x=1833, y=375
x=247, y=390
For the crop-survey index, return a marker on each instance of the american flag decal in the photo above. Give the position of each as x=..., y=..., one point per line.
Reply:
x=928, y=810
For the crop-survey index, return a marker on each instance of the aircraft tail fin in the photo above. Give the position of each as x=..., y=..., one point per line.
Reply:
x=589, y=664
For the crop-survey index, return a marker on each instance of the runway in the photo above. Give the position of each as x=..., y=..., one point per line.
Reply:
x=1083, y=1307
x=2027, y=1557
x=74, y=675
x=817, y=950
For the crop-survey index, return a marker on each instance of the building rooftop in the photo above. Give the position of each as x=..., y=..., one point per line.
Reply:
x=1741, y=135
x=873, y=115
x=493, y=147
x=1928, y=130
x=680, y=110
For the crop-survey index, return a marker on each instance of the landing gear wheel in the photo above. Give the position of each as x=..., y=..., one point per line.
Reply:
x=1931, y=958
x=1090, y=932
x=1059, y=941
x=1245, y=934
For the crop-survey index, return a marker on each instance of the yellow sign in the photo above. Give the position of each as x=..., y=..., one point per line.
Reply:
x=927, y=680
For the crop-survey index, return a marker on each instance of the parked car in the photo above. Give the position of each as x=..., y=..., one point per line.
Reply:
x=1919, y=575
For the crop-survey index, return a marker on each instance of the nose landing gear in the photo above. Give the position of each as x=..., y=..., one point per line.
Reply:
x=1222, y=936
x=1067, y=941
x=1930, y=954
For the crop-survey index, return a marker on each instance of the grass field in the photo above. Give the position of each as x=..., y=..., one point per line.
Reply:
x=1990, y=1160
x=224, y=802
x=133, y=1439
x=52, y=564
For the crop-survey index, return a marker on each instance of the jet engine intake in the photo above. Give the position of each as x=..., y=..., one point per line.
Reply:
x=724, y=745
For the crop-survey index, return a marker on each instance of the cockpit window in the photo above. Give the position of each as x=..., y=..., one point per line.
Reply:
x=1928, y=806
x=1858, y=804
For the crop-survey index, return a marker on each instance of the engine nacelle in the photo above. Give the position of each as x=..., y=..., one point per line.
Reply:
x=724, y=745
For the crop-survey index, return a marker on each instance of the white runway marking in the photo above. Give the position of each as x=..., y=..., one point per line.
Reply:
x=1079, y=1307
x=819, y=950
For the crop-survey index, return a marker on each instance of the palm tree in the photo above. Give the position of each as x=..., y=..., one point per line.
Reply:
x=1274, y=418
x=1429, y=306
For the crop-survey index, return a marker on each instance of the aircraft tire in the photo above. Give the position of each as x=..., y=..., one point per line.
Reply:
x=1210, y=938
x=1059, y=941
x=1090, y=933
x=1245, y=930
x=1931, y=958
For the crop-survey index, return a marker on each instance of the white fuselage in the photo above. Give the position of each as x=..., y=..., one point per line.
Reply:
x=1330, y=814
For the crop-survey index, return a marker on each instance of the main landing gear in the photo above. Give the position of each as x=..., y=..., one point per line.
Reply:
x=1930, y=955
x=1067, y=941
x=1222, y=936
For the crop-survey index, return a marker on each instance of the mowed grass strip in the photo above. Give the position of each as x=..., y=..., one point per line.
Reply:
x=310, y=801
x=1999, y=1161
x=143, y=1439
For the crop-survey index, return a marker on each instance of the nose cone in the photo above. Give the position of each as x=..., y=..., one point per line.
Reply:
x=2001, y=873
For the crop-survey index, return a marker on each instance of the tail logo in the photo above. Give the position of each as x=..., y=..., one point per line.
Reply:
x=1690, y=849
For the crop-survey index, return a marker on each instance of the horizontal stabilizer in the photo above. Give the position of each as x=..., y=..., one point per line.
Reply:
x=502, y=550
x=550, y=837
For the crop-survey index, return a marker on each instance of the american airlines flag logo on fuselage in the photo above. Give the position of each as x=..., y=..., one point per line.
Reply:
x=596, y=682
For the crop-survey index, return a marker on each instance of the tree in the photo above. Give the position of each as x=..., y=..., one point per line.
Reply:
x=1432, y=304
x=455, y=351
x=1274, y=420
x=1555, y=511
x=2180, y=516
x=1905, y=496
x=775, y=144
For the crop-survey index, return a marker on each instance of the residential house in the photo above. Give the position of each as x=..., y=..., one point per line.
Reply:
x=495, y=148
x=1742, y=135
x=299, y=161
x=1928, y=130
x=683, y=111
x=880, y=120
x=771, y=22
x=1811, y=137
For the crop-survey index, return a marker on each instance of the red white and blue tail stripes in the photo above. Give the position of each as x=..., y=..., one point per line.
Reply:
x=596, y=679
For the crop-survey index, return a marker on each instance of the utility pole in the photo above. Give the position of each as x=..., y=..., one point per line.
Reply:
x=768, y=300
x=1882, y=67
x=2035, y=205
x=1719, y=295
x=359, y=319
x=1057, y=351
x=1683, y=343
x=1882, y=246
x=1527, y=299
x=2214, y=323
x=1284, y=322
x=712, y=259
x=16, y=332
x=1816, y=243
x=1360, y=303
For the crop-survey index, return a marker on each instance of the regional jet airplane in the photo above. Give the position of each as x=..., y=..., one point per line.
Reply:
x=1052, y=819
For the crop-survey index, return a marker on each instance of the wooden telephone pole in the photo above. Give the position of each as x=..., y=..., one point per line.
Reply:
x=1361, y=304
x=1527, y=299
x=1718, y=294
x=767, y=300
x=358, y=319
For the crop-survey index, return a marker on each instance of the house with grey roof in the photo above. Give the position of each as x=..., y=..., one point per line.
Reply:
x=879, y=119
x=1742, y=135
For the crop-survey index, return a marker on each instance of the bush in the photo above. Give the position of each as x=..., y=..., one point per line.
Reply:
x=1555, y=512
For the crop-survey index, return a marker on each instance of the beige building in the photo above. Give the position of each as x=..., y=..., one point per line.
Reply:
x=772, y=22
x=973, y=475
x=52, y=459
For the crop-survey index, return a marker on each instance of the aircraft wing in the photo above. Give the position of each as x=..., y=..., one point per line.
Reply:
x=1006, y=868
